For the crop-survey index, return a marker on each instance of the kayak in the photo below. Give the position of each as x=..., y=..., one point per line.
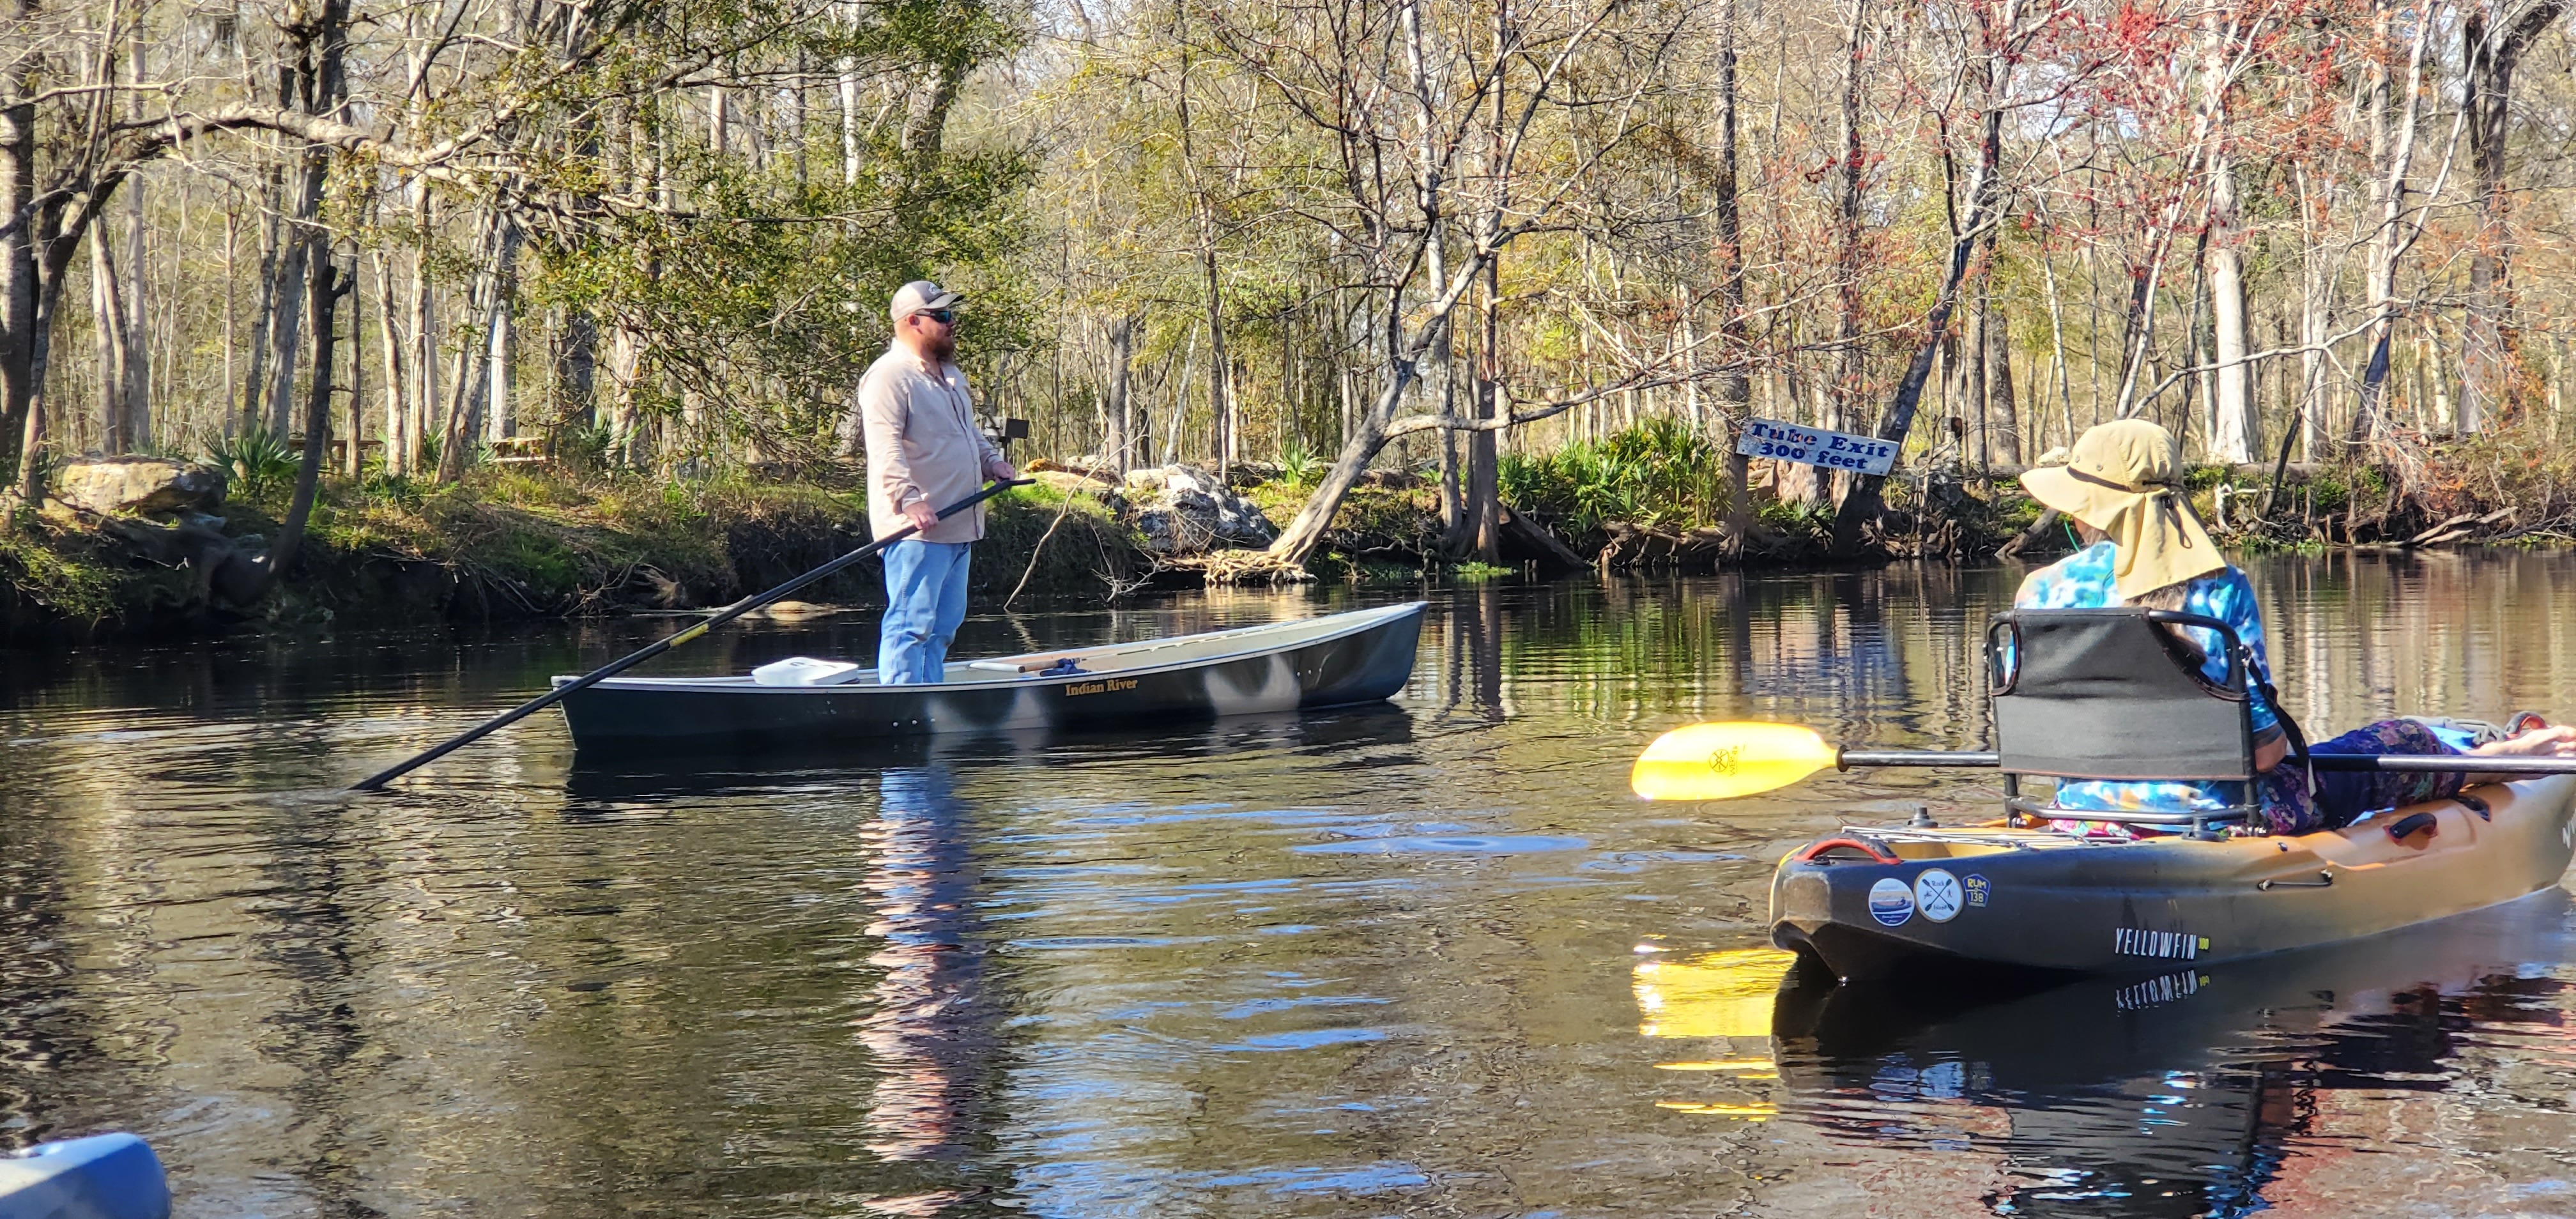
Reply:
x=1872, y=903
x=804, y=703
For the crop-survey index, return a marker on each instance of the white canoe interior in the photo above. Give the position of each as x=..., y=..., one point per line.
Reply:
x=1179, y=651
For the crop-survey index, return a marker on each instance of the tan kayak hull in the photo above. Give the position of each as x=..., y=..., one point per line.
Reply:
x=2038, y=899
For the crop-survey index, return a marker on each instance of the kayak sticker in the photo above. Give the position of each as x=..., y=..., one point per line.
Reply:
x=2170, y=945
x=1978, y=889
x=1936, y=893
x=1891, y=902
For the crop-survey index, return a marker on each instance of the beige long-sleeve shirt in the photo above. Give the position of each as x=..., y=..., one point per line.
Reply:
x=919, y=426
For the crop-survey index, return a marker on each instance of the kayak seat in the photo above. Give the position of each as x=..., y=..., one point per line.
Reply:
x=2113, y=694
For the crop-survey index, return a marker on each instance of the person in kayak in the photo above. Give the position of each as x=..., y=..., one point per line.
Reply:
x=2143, y=546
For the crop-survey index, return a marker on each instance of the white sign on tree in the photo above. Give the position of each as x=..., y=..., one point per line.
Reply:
x=1816, y=447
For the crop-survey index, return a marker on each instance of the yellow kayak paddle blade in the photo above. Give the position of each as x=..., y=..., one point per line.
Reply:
x=1723, y=761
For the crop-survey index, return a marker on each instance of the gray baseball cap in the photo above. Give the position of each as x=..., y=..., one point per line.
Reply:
x=921, y=296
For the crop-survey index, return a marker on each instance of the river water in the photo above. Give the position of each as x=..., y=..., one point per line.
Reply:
x=1424, y=959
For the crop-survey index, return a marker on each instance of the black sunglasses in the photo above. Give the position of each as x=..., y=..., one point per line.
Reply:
x=945, y=317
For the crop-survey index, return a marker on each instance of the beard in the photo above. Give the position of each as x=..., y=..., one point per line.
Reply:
x=941, y=348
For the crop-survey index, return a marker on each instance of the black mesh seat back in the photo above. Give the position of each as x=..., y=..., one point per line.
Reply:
x=2108, y=694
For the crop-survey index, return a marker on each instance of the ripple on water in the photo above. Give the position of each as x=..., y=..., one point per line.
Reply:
x=1448, y=844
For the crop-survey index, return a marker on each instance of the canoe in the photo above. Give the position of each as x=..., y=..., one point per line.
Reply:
x=105, y=1176
x=1872, y=903
x=1337, y=660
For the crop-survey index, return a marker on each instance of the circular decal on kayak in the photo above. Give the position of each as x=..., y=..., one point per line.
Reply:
x=1937, y=893
x=1891, y=902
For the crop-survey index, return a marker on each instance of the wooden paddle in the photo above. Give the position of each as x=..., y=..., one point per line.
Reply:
x=377, y=780
x=1721, y=761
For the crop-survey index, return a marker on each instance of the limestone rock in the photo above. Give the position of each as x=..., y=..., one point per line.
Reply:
x=1183, y=510
x=139, y=485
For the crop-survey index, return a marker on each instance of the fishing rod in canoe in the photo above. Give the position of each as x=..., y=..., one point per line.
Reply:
x=1720, y=761
x=377, y=780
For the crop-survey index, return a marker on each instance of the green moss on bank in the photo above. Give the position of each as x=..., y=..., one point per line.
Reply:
x=533, y=540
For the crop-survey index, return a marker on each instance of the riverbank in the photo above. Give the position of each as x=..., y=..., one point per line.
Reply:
x=538, y=540
x=528, y=541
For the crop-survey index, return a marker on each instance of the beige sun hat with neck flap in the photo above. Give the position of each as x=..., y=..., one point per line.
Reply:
x=2124, y=478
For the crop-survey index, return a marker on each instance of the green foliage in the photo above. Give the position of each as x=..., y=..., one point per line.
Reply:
x=1300, y=466
x=58, y=570
x=2328, y=493
x=1658, y=473
x=260, y=461
x=584, y=446
x=1812, y=521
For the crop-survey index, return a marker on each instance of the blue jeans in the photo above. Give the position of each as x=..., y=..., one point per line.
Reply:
x=925, y=601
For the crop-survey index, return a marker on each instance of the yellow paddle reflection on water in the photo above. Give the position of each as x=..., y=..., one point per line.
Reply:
x=1718, y=994
x=1722, y=761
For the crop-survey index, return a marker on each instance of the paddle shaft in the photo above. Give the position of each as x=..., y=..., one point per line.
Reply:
x=2438, y=763
x=377, y=780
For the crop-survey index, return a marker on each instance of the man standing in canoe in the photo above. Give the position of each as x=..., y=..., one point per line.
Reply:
x=924, y=453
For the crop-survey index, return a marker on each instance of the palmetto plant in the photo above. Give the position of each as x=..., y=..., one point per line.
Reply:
x=1658, y=473
x=258, y=460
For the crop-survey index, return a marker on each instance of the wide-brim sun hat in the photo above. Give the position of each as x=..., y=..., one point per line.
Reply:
x=2124, y=478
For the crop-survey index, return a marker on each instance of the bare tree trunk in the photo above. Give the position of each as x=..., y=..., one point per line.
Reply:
x=1734, y=379
x=398, y=421
x=1203, y=215
x=1117, y=445
x=925, y=117
x=296, y=240
x=324, y=89
x=18, y=315
x=625, y=350
x=1851, y=362
x=2493, y=38
x=578, y=373
x=323, y=294
x=849, y=83
x=500, y=312
x=135, y=426
x=1973, y=397
x=2005, y=412
x=2391, y=150
x=1484, y=524
x=254, y=383
x=2232, y=440
x=348, y=286
x=465, y=377
x=112, y=322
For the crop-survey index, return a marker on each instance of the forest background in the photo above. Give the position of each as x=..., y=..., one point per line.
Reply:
x=1510, y=244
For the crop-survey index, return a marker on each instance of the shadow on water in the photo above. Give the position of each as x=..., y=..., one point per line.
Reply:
x=2171, y=1094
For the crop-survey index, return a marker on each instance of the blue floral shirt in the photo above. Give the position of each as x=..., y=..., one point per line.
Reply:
x=2085, y=580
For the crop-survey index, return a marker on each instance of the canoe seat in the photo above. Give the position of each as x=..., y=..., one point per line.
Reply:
x=2113, y=694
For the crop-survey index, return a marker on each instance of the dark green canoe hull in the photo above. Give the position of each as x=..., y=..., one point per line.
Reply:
x=1369, y=662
